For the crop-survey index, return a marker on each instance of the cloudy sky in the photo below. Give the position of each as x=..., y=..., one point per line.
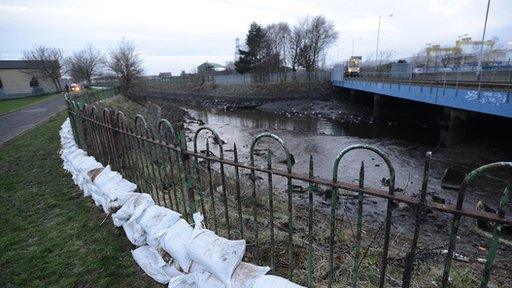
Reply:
x=178, y=35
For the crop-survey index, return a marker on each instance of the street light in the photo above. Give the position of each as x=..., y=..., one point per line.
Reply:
x=354, y=43
x=483, y=39
x=462, y=37
x=378, y=37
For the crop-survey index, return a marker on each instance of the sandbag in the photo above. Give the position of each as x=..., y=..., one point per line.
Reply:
x=244, y=276
x=107, y=187
x=134, y=232
x=133, y=207
x=271, y=281
x=217, y=255
x=154, y=265
x=183, y=281
x=155, y=220
x=175, y=241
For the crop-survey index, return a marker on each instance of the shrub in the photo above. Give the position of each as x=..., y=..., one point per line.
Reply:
x=34, y=82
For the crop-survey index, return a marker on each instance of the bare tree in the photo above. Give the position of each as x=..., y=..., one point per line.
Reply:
x=275, y=45
x=85, y=64
x=419, y=60
x=317, y=35
x=127, y=65
x=295, y=42
x=48, y=60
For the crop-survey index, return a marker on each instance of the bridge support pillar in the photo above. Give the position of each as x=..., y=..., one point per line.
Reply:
x=377, y=107
x=352, y=95
x=453, y=128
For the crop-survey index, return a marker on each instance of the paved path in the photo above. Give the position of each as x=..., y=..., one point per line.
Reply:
x=14, y=123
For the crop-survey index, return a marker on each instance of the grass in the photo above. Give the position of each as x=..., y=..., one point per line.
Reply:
x=51, y=236
x=11, y=105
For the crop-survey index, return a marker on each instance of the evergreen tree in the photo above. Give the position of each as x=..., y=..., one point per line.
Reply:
x=252, y=57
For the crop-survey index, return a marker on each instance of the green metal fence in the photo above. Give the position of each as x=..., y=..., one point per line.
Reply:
x=284, y=230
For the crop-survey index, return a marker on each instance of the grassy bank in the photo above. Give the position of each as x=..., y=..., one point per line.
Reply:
x=51, y=236
x=11, y=105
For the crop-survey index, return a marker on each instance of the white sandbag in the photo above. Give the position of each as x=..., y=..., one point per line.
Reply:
x=245, y=276
x=116, y=204
x=107, y=177
x=154, y=265
x=271, y=281
x=217, y=255
x=196, y=268
x=133, y=207
x=207, y=280
x=155, y=220
x=108, y=186
x=183, y=281
x=175, y=241
x=134, y=233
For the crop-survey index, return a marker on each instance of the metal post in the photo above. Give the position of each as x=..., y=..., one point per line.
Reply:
x=482, y=43
x=377, y=49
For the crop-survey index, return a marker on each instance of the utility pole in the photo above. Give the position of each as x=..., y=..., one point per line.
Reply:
x=378, y=38
x=482, y=43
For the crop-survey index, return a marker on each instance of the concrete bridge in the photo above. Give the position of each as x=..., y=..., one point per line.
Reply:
x=492, y=94
x=460, y=92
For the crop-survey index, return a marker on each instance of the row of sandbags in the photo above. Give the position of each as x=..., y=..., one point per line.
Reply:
x=170, y=250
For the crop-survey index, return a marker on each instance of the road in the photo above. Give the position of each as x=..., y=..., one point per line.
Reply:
x=15, y=123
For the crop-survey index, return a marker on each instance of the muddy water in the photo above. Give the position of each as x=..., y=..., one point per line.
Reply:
x=324, y=139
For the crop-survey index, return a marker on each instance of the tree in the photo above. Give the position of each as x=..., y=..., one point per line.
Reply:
x=310, y=39
x=251, y=58
x=85, y=64
x=230, y=66
x=34, y=82
x=295, y=42
x=127, y=65
x=48, y=60
x=275, y=45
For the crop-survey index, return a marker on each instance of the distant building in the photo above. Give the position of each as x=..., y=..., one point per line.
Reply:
x=207, y=67
x=18, y=78
x=165, y=75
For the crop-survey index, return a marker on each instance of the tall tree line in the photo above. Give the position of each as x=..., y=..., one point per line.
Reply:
x=278, y=47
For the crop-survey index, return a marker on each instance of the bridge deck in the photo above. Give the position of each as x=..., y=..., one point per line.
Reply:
x=467, y=97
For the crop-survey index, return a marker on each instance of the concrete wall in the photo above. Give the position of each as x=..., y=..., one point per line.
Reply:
x=16, y=84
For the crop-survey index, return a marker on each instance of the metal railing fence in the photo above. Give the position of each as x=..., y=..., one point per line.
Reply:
x=290, y=234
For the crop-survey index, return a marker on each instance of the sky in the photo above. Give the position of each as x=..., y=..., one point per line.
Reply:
x=172, y=36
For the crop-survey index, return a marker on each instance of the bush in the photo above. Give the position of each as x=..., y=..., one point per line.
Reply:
x=34, y=82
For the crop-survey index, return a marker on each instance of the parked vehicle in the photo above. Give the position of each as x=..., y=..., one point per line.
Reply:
x=353, y=67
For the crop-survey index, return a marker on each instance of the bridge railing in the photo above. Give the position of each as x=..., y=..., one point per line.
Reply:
x=299, y=224
x=495, y=80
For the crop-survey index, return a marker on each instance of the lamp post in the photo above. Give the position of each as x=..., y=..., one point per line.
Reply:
x=483, y=39
x=461, y=37
x=354, y=44
x=378, y=38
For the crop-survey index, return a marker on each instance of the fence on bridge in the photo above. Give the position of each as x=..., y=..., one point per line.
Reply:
x=284, y=229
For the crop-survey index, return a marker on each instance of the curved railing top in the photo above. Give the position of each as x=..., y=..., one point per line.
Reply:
x=377, y=151
x=471, y=176
x=216, y=138
x=279, y=141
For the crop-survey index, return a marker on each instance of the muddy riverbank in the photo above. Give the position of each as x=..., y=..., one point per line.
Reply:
x=323, y=138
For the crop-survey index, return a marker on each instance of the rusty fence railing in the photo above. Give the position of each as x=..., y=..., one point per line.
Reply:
x=283, y=227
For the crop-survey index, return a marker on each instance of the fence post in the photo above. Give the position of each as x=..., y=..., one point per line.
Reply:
x=187, y=173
